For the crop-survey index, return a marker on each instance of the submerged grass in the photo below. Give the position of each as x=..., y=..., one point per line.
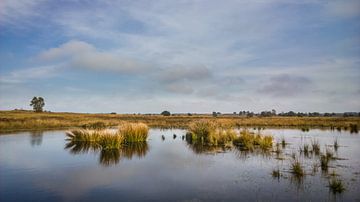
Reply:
x=297, y=169
x=336, y=185
x=276, y=173
x=315, y=146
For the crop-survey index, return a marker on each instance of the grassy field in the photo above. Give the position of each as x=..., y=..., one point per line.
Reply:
x=27, y=120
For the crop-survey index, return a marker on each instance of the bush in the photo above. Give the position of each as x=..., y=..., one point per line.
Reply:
x=165, y=113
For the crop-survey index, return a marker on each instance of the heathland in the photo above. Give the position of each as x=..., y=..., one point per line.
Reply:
x=28, y=120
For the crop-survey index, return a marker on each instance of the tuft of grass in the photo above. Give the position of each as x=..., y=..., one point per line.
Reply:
x=315, y=146
x=134, y=132
x=106, y=139
x=278, y=150
x=324, y=162
x=336, y=144
x=336, y=185
x=206, y=132
x=306, y=149
x=248, y=141
x=276, y=173
x=283, y=142
x=296, y=169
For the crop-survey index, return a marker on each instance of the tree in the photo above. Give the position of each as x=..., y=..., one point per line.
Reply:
x=165, y=113
x=37, y=103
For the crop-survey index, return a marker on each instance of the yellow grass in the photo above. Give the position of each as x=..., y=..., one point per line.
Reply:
x=27, y=120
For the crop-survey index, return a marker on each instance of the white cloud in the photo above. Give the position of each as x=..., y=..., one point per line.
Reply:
x=29, y=74
x=79, y=54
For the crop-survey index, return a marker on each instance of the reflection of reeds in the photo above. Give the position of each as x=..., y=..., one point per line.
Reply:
x=109, y=157
x=138, y=149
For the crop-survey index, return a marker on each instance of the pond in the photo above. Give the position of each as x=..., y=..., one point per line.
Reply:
x=41, y=166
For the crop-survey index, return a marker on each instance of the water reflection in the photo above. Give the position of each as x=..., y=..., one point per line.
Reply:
x=36, y=138
x=108, y=157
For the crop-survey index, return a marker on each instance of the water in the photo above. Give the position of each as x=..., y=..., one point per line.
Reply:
x=35, y=166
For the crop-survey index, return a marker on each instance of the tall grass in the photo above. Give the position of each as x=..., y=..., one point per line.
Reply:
x=297, y=169
x=15, y=120
x=208, y=133
x=315, y=146
x=249, y=141
x=134, y=132
x=106, y=139
x=336, y=144
x=110, y=139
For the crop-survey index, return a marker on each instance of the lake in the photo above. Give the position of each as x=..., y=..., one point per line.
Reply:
x=40, y=166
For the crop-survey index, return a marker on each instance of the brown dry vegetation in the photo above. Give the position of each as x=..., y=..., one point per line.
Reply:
x=27, y=120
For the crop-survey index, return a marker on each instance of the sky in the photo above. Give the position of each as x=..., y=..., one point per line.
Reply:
x=198, y=56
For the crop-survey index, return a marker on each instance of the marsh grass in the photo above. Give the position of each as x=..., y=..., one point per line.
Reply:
x=336, y=144
x=209, y=134
x=109, y=139
x=106, y=139
x=306, y=150
x=325, y=160
x=134, y=132
x=277, y=150
x=283, y=142
x=336, y=185
x=20, y=120
x=112, y=144
x=315, y=147
x=276, y=173
x=249, y=141
x=353, y=128
x=297, y=169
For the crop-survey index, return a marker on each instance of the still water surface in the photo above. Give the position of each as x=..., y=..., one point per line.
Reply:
x=37, y=166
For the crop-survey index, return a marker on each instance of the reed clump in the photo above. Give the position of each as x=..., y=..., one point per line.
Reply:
x=336, y=144
x=134, y=132
x=276, y=173
x=110, y=139
x=209, y=133
x=249, y=141
x=296, y=169
x=336, y=185
x=315, y=147
x=106, y=139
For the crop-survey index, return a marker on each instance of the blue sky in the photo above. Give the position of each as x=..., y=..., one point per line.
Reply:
x=182, y=56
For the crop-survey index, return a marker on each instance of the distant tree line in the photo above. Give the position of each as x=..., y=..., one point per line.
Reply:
x=290, y=114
